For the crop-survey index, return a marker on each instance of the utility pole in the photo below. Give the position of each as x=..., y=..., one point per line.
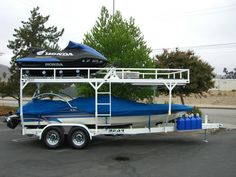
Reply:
x=113, y=7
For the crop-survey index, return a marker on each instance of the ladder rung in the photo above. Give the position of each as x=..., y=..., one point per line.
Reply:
x=100, y=115
x=104, y=124
x=104, y=92
x=104, y=104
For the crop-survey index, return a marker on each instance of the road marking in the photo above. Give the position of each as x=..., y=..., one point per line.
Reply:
x=24, y=139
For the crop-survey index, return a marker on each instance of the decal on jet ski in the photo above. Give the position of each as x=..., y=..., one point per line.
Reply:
x=43, y=52
x=53, y=64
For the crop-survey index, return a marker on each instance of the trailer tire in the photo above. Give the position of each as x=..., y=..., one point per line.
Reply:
x=53, y=137
x=78, y=138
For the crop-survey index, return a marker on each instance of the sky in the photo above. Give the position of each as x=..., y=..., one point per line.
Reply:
x=205, y=26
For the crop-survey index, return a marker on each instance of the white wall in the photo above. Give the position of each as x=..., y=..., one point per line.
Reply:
x=225, y=84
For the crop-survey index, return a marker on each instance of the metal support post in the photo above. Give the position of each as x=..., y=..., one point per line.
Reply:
x=205, y=136
x=21, y=102
x=96, y=107
x=149, y=123
x=205, y=131
x=170, y=100
x=170, y=87
x=206, y=119
x=110, y=101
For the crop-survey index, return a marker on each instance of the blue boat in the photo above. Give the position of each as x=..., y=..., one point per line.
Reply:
x=40, y=112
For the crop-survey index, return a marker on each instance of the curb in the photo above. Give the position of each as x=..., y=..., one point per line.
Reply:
x=215, y=107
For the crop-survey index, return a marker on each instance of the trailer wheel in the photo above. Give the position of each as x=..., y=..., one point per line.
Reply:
x=78, y=138
x=53, y=137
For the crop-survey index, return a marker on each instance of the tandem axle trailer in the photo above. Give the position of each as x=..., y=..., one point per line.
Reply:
x=79, y=135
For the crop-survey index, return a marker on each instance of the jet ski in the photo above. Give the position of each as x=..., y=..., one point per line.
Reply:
x=75, y=55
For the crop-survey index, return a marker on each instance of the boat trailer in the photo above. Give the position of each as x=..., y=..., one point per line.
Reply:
x=79, y=135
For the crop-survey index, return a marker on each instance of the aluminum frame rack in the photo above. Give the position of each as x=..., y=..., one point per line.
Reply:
x=96, y=77
x=144, y=76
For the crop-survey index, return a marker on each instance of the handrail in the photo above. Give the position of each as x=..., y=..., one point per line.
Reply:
x=121, y=73
x=144, y=69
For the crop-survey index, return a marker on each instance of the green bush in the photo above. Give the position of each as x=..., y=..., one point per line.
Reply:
x=197, y=110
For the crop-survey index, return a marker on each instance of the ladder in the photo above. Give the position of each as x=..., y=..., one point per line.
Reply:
x=103, y=106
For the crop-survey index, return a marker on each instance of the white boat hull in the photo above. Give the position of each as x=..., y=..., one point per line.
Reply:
x=136, y=121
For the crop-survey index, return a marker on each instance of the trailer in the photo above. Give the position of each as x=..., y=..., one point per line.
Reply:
x=79, y=135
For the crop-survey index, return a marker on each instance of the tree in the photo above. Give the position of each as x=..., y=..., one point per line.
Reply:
x=4, y=75
x=201, y=73
x=122, y=42
x=33, y=33
x=229, y=74
x=225, y=70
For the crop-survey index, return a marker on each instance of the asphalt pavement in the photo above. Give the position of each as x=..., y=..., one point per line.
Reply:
x=153, y=155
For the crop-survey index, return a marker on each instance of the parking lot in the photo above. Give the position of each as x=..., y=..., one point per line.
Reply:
x=183, y=154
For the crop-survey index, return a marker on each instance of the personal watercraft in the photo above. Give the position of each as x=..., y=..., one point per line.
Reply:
x=75, y=55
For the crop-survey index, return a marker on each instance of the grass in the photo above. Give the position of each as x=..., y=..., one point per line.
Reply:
x=4, y=110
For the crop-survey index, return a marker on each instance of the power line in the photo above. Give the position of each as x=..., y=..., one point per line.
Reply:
x=207, y=46
x=199, y=12
x=211, y=10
